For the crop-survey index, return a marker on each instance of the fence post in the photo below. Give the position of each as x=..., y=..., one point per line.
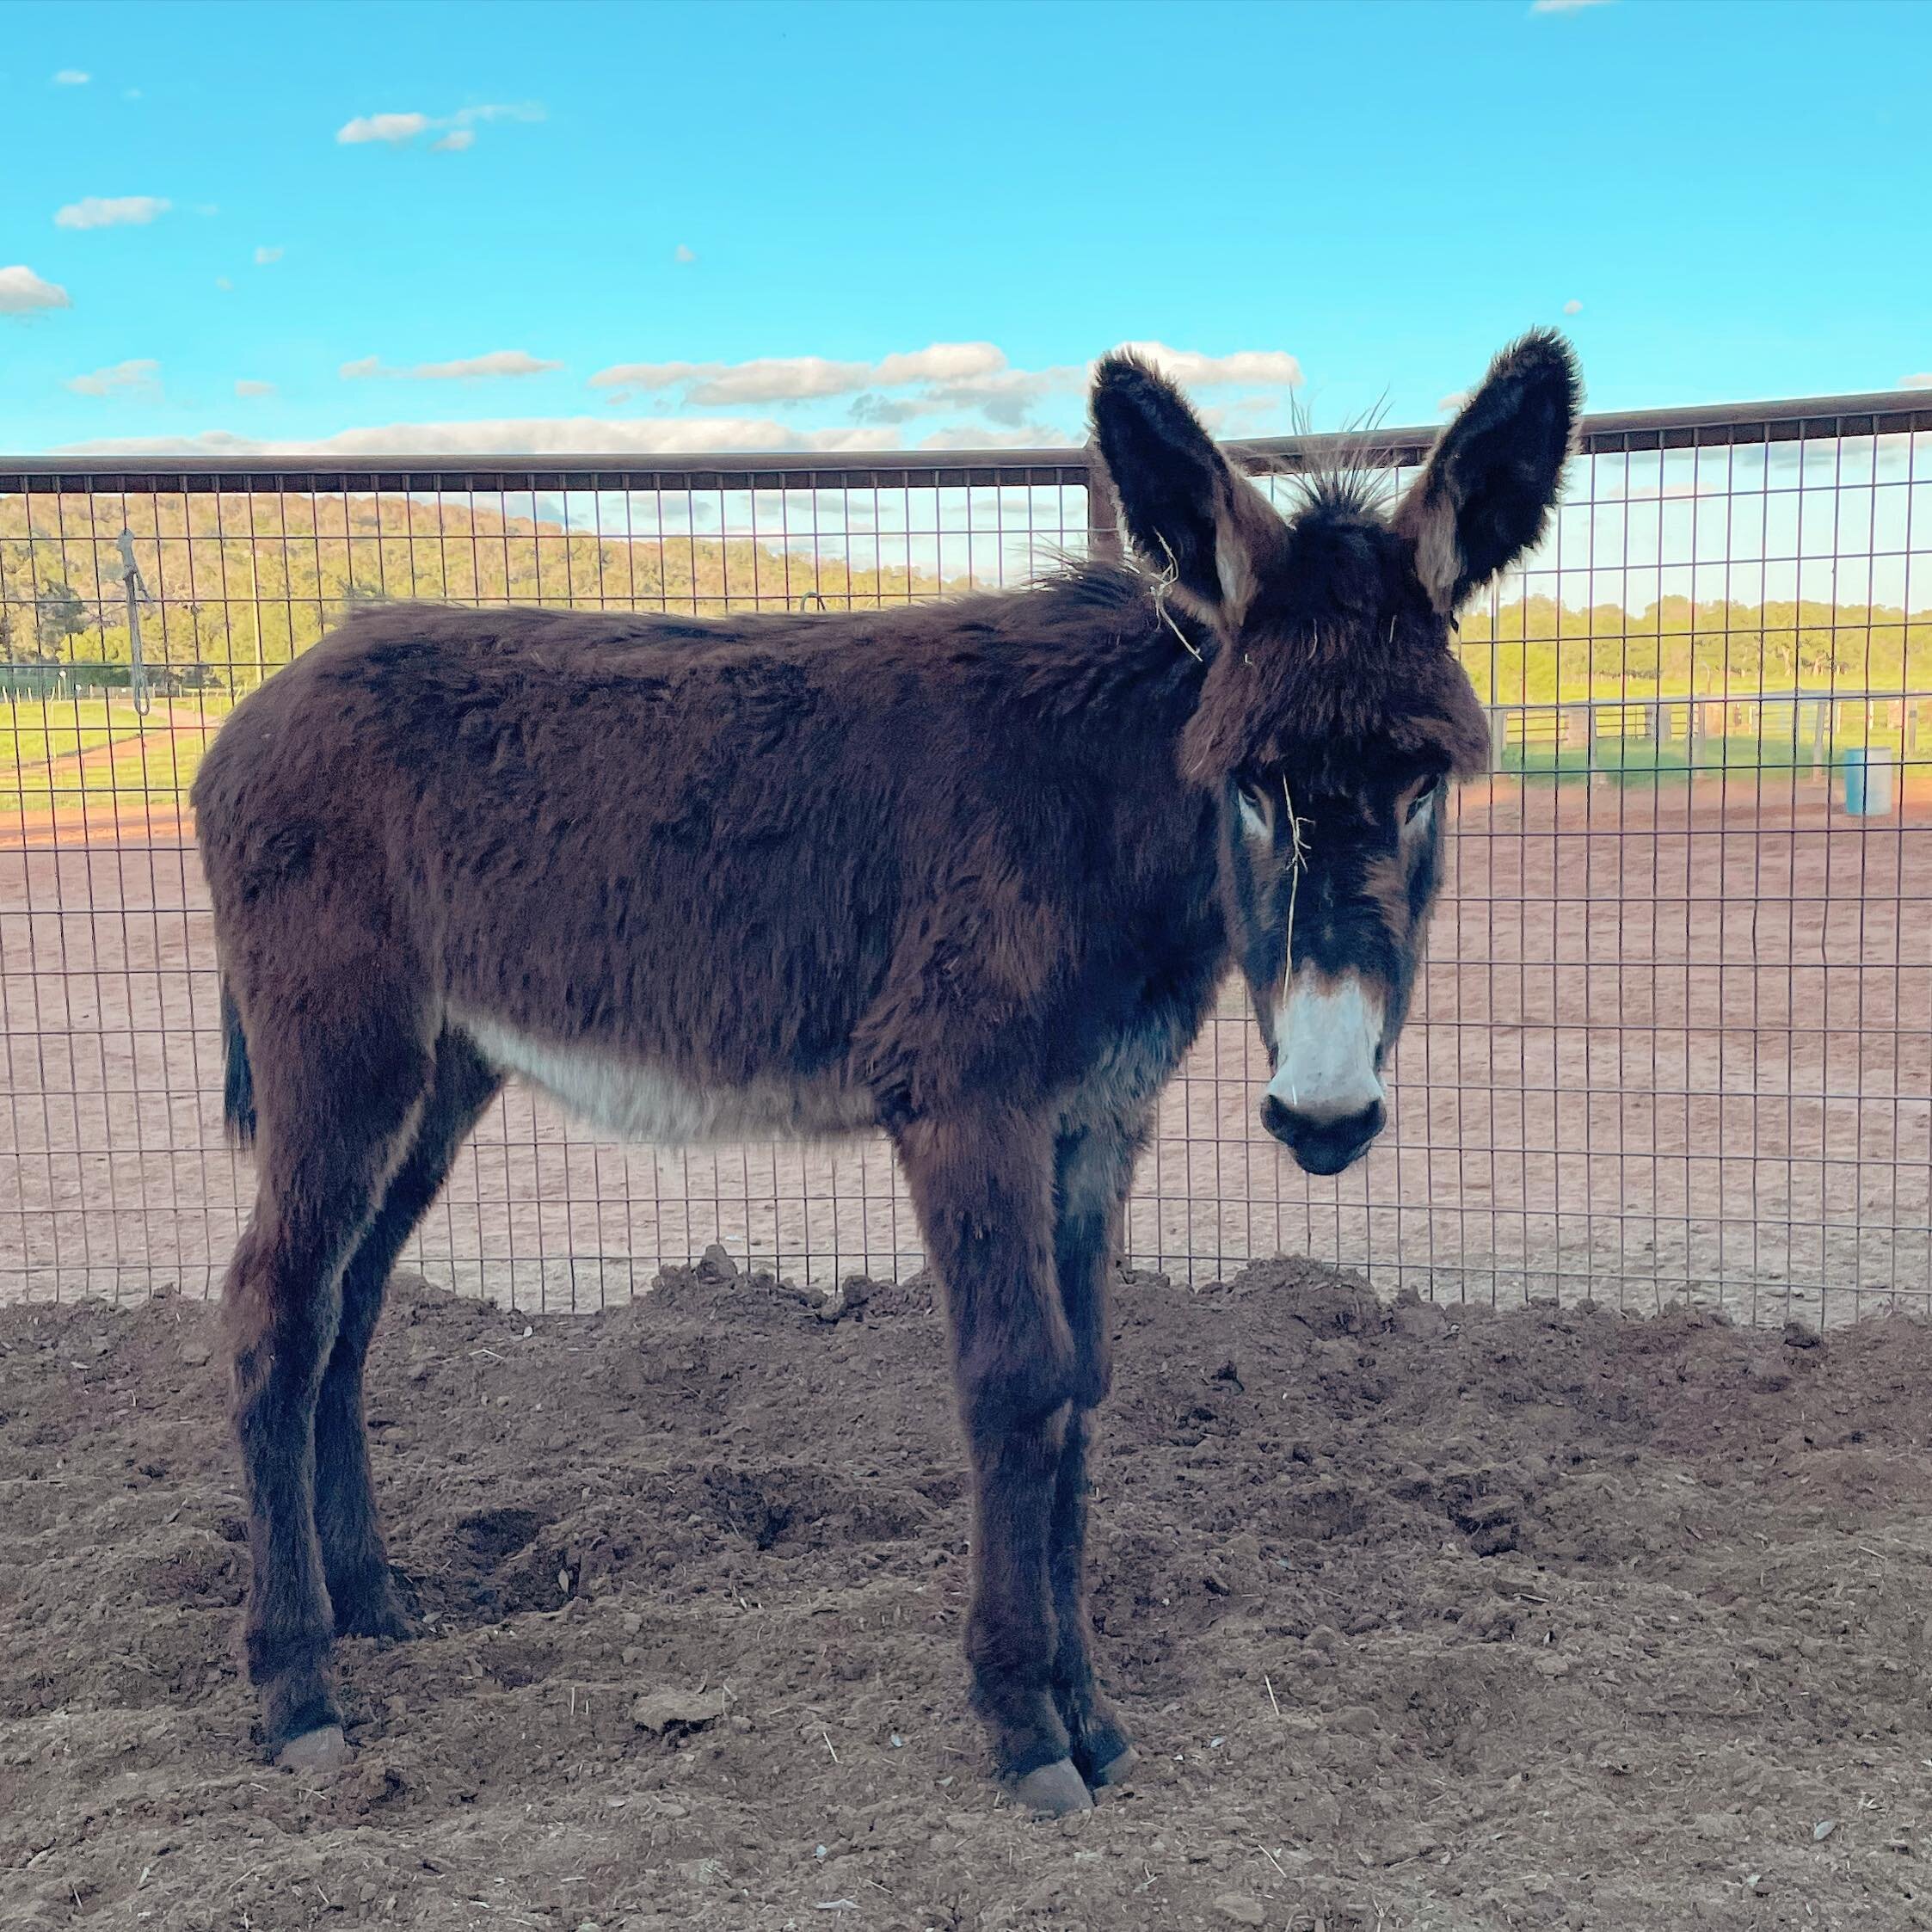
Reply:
x=1102, y=513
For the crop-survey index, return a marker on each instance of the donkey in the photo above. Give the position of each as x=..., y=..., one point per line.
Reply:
x=971, y=873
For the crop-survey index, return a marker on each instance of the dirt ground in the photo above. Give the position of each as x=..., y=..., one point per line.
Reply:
x=1664, y=1038
x=1425, y=1617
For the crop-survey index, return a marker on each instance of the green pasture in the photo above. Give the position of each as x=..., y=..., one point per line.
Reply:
x=1638, y=760
x=78, y=750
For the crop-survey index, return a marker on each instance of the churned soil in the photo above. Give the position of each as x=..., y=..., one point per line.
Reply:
x=1424, y=1616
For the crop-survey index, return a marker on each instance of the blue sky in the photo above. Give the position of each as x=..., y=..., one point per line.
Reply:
x=560, y=226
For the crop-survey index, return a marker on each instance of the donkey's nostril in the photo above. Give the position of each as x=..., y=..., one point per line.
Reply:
x=1323, y=1147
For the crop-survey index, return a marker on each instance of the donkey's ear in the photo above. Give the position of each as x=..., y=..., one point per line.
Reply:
x=1485, y=493
x=1188, y=515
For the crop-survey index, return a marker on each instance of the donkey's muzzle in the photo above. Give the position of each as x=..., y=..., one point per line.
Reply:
x=1323, y=1146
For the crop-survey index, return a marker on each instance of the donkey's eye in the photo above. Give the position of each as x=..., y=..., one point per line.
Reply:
x=1422, y=800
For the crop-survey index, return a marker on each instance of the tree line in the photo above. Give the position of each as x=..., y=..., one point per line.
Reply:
x=240, y=583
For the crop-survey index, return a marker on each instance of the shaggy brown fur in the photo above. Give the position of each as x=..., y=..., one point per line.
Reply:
x=970, y=873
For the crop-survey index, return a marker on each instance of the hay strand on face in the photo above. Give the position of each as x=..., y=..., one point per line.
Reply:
x=1297, y=859
x=1162, y=584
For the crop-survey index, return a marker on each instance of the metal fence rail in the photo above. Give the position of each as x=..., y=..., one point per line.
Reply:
x=1676, y=1032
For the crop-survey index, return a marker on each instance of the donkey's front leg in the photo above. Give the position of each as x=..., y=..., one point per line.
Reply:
x=983, y=1187
x=1093, y=1161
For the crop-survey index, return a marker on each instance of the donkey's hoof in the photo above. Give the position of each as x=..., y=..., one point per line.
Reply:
x=315, y=1753
x=1053, y=1791
x=1117, y=1770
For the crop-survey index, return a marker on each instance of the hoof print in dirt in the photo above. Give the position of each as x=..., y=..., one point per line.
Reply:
x=511, y=1569
x=1492, y=1524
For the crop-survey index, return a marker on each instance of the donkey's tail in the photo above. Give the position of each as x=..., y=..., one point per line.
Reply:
x=237, y=1086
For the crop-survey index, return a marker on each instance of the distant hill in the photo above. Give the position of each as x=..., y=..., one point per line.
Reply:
x=243, y=581
x=229, y=573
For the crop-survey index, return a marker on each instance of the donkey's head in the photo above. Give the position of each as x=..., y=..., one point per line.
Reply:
x=1333, y=712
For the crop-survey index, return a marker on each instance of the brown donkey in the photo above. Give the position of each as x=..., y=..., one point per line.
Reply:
x=974, y=870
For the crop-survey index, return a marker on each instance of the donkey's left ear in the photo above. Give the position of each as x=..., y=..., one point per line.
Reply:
x=1188, y=515
x=1487, y=492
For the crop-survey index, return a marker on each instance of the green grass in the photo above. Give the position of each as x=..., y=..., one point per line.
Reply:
x=153, y=761
x=35, y=732
x=1643, y=761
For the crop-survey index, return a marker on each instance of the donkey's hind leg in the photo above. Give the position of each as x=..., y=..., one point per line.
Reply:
x=334, y=1116
x=361, y=1588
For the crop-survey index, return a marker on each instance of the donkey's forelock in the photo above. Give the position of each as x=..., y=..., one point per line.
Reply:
x=1341, y=665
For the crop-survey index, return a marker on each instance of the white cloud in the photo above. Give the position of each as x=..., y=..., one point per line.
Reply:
x=246, y=388
x=223, y=283
x=1572, y=307
x=521, y=436
x=1922, y=380
x=22, y=292
x=954, y=380
x=1454, y=400
x=264, y=257
x=788, y=379
x=1007, y=397
x=797, y=379
x=683, y=254
x=1246, y=368
x=497, y=110
x=140, y=379
x=473, y=368
x=114, y=211
x=1245, y=415
x=1564, y=6
x=393, y=128
x=398, y=130
x=71, y=77
x=976, y=435
x=943, y=362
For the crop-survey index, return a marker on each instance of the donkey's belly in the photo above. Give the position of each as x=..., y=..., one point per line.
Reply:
x=636, y=1102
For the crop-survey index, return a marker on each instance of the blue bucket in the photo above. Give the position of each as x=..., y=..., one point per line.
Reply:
x=1868, y=783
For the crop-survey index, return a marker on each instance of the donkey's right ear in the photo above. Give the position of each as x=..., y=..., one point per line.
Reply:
x=1189, y=516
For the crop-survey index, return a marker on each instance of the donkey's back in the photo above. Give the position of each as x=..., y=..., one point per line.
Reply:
x=699, y=880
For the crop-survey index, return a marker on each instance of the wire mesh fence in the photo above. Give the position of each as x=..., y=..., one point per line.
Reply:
x=1676, y=1036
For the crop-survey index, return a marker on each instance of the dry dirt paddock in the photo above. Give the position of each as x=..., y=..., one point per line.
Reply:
x=1430, y=1617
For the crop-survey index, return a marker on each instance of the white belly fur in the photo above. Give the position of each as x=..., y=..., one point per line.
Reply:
x=639, y=1103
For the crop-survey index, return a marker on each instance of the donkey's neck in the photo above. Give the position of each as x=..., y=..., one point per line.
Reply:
x=1120, y=688
x=1098, y=656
